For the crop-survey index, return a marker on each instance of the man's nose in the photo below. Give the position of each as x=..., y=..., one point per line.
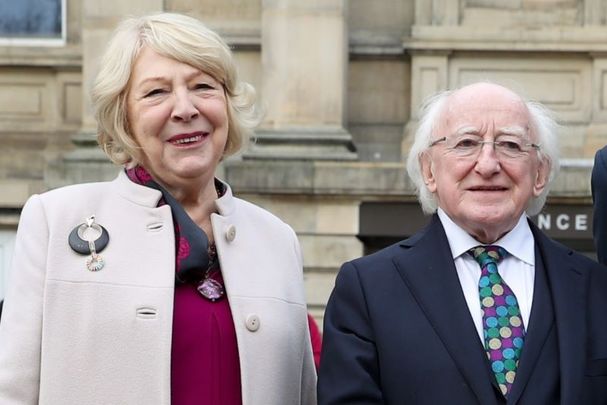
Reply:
x=487, y=162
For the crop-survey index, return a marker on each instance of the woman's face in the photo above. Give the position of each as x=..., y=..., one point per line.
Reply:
x=178, y=116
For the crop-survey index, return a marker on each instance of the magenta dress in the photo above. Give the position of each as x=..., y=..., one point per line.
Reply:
x=205, y=368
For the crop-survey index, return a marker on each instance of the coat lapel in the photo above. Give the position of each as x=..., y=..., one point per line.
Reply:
x=429, y=272
x=568, y=285
x=541, y=322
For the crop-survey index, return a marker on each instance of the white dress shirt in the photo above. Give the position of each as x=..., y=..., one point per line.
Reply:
x=517, y=268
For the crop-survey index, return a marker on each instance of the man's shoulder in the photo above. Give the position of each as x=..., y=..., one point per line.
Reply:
x=602, y=152
x=399, y=250
x=551, y=246
x=383, y=255
x=600, y=162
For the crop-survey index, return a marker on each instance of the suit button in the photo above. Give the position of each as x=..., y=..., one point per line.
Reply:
x=252, y=322
x=231, y=233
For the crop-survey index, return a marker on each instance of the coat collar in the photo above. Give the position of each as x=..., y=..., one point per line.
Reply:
x=226, y=204
x=149, y=197
x=136, y=193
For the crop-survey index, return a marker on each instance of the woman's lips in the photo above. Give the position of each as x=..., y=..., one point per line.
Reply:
x=187, y=139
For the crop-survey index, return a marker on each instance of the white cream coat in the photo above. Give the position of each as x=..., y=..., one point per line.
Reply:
x=71, y=336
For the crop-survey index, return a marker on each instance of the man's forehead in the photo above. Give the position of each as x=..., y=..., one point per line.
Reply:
x=485, y=90
x=482, y=103
x=485, y=97
x=518, y=113
x=480, y=130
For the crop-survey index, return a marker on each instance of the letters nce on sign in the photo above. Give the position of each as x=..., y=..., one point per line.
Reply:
x=566, y=221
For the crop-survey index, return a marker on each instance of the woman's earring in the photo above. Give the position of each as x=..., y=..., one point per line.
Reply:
x=82, y=240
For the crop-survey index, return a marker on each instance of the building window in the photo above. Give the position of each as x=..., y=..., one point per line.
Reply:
x=32, y=22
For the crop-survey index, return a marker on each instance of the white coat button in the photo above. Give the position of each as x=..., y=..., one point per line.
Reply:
x=231, y=233
x=252, y=322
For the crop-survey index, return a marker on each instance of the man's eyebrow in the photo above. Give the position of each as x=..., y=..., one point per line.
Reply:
x=468, y=130
x=514, y=130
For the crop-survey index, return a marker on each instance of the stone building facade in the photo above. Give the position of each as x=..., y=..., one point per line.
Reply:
x=340, y=82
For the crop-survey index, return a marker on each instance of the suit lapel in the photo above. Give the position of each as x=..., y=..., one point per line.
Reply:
x=541, y=322
x=568, y=286
x=429, y=272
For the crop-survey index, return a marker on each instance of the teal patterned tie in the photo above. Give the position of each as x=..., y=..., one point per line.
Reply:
x=502, y=324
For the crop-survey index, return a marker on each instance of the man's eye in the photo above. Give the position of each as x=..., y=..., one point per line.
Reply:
x=154, y=92
x=466, y=143
x=509, y=145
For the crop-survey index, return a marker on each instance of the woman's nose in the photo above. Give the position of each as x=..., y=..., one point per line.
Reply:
x=184, y=109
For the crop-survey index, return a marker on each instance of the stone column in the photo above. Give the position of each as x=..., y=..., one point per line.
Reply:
x=437, y=12
x=594, y=12
x=429, y=74
x=304, y=49
x=429, y=67
x=99, y=19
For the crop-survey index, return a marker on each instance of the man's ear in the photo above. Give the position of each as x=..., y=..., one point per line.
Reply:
x=541, y=177
x=427, y=173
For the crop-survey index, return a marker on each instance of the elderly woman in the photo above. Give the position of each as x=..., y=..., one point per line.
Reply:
x=160, y=286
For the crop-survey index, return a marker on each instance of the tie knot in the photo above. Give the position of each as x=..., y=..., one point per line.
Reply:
x=487, y=254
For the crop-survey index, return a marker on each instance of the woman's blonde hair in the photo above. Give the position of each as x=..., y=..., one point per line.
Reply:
x=181, y=38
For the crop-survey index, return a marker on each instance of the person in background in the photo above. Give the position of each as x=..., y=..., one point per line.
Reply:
x=159, y=287
x=316, y=338
x=480, y=307
x=598, y=182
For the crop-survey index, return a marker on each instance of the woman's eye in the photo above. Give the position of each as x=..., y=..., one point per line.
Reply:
x=154, y=92
x=203, y=86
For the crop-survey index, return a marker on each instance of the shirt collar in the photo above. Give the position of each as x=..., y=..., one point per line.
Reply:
x=518, y=242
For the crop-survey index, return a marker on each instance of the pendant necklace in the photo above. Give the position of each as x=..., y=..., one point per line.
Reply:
x=208, y=287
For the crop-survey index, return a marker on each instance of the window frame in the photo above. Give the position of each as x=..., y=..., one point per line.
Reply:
x=41, y=42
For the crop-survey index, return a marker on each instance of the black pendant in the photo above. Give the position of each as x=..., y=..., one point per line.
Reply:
x=81, y=246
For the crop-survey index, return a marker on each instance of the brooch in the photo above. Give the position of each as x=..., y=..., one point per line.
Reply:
x=90, y=238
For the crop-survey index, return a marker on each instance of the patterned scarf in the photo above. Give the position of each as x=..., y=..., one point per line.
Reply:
x=194, y=257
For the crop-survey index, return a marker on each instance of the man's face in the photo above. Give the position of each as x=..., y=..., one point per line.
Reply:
x=484, y=193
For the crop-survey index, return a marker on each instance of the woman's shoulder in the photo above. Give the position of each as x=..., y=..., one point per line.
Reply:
x=68, y=204
x=104, y=192
x=255, y=213
x=77, y=192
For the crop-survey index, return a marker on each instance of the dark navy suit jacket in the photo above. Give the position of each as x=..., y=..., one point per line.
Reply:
x=599, y=198
x=398, y=331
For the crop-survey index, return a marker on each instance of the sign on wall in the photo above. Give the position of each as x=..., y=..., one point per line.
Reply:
x=383, y=223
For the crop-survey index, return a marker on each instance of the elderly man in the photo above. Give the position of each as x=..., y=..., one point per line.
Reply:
x=480, y=307
x=599, y=199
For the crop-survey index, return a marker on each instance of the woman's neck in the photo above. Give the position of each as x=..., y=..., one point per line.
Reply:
x=198, y=202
